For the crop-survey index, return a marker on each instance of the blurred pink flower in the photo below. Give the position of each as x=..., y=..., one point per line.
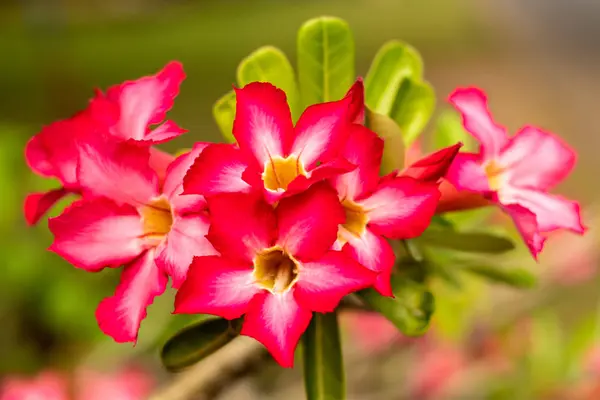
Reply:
x=371, y=332
x=45, y=386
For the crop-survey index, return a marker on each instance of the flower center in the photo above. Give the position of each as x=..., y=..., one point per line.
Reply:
x=275, y=270
x=356, y=218
x=494, y=172
x=280, y=172
x=157, y=219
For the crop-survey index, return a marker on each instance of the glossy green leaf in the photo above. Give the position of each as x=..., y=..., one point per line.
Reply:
x=449, y=130
x=224, y=113
x=517, y=277
x=198, y=341
x=269, y=64
x=324, y=377
x=411, y=308
x=394, y=62
x=466, y=241
x=325, y=60
x=412, y=108
x=388, y=130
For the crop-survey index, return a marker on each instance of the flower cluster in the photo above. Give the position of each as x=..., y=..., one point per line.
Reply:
x=280, y=225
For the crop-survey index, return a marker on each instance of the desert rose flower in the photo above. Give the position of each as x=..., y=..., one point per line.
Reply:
x=127, y=111
x=276, y=266
x=45, y=386
x=273, y=156
x=127, y=218
x=515, y=172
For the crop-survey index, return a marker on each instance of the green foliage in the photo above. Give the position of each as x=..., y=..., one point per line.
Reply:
x=198, y=341
x=449, y=130
x=324, y=377
x=389, y=131
x=516, y=277
x=224, y=114
x=473, y=242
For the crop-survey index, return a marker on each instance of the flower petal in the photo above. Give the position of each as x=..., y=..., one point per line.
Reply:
x=218, y=169
x=277, y=322
x=216, y=285
x=455, y=200
x=526, y=224
x=466, y=173
x=328, y=170
x=357, y=104
x=537, y=159
x=363, y=149
x=322, y=131
x=97, y=233
x=308, y=222
x=186, y=239
x=120, y=316
x=164, y=132
x=322, y=283
x=477, y=120
x=37, y=204
x=159, y=162
x=401, y=208
x=376, y=254
x=37, y=157
x=118, y=171
x=241, y=225
x=433, y=167
x=263, y=123
x=173, y=186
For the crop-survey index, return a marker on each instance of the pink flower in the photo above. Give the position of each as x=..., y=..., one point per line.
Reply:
x=128, y=218
x=276, y=266
x=125, y=112
x=127, y=384
x=394, y=207
x=515, y=172
x=46, y=386
x=274, y=156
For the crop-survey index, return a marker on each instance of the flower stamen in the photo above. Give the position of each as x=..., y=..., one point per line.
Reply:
x=275, y=270
x=280, y=172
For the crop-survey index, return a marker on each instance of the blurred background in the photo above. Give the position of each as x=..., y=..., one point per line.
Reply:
x=539, y=62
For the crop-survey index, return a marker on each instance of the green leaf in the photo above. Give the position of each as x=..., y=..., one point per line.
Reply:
x=546, y=353
x=412, y=108
x=198, y=341
x=466, y=241
x=224, y=113
x=411, y=308
x=324, y=377
x=269, y=64
x=325, y=60
x=517, y=277
x=449, y=130
x=389, y=131
x=394, y=62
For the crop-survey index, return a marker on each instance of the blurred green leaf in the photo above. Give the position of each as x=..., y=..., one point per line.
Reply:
x=394, y=62
x=323, y=365
x=224, y=113
x=388, y=130
x=269, y=64
x=198, y=341
x=412, y=108
x=411, y=308
x=546, y=352
x=449, y=130
x=471, y=242
x=517, y=277
x=325, y=60
x=581, y=341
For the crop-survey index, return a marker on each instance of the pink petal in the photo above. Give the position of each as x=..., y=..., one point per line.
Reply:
x=159, y=162
x=120, y=316
x=537, y=159
x=37, y=204
x=477, y=120
x=216, y=285
x=241, y=225
x=119, y=171
x=322, y=131
x=308, y=222
x=376, y=254
x=552, y=212
x=186, y=239
x=164, y=132
x=526, y=224
x=364, y=149
x=322, y=283
x=173, y=186
x=97, y=233
x=435, y=166
x=467, y=173
x=328, y=170
x=401, y=208
x=37, y=157
x=218, y=169
x=357, y=105
x=263, y=123
x=277, y=321
x=145, y=101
